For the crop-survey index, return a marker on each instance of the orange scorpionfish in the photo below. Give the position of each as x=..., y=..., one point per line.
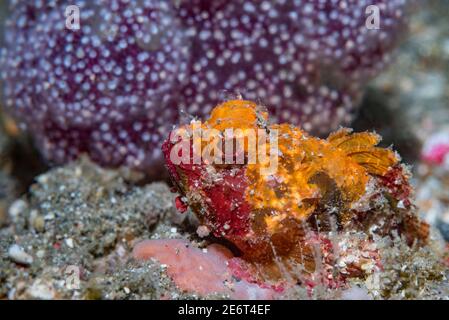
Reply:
x=266, y=188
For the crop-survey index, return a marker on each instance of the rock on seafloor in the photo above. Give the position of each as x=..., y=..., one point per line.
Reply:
x=114, y=87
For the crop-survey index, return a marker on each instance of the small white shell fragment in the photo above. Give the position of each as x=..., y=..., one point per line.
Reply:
x=16, y=208
x=41, y=290
x=17, y=254
x=202, y=231
x=69, y=242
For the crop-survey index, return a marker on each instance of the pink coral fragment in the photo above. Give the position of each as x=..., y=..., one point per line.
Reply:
x=436, y=148
x=203, y=271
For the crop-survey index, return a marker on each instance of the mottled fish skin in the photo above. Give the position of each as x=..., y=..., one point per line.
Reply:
x=344, y=183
